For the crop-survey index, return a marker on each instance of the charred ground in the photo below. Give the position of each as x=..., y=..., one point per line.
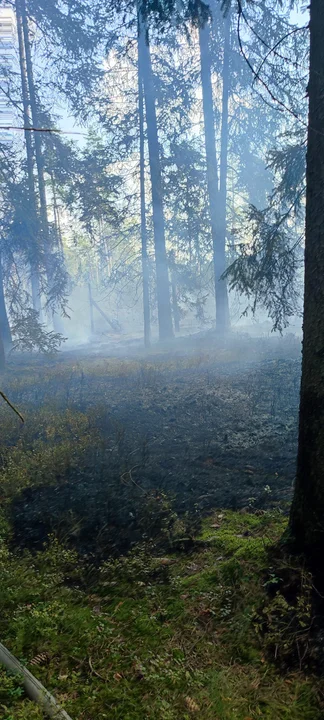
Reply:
x=111, y=443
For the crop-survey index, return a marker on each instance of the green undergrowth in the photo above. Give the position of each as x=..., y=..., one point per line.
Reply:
x=155, y=637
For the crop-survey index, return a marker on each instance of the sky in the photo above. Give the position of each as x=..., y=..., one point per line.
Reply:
x=300, y=17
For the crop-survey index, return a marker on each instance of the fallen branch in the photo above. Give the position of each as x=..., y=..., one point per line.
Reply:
x=34, y=689
x=113, y=324
x=12, y=406
x=95, y=671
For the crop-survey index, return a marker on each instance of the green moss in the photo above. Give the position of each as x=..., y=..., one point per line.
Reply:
x=134, y=649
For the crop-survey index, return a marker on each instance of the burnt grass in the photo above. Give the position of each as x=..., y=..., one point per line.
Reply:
x=208, y=427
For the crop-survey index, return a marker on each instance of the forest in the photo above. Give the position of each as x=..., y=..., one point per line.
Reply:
x=161, y=359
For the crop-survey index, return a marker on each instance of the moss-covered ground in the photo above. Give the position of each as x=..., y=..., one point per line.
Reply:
x=146, y=636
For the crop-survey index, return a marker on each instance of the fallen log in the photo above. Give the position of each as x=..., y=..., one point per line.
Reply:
x=34, y=689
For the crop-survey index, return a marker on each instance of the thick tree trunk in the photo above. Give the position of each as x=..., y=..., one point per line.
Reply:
x=33, y=215
x=4, y=323
x=145, y=266
x=162, y=275
x=307, y=512
x=222, y=309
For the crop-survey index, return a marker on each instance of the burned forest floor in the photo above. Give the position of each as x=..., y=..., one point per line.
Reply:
x=138, y=501
x=207, y=426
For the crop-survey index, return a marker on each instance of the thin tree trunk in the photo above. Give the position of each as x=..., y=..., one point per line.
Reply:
x=48, y=258
x=92, y=328
x=175, y=306
x=307, y=511
x=174, y=294
x=221, y=297
x=145, y=266
x=162, y=275
x=57, y=319
x=57, y=217
x=2, y=354
x=34, y=224
x=224, y=152
x=4, y=322
x=188, y=213
x=35, y=287
x=34, y=115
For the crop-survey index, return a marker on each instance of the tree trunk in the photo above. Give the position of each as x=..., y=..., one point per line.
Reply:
x=57, y=320
x=221, y=297
x=162, y=275
x=174, y=293
x=4, y=323
x=48, y=258
x=224, y=153
x=34, y=224
x=307, y=511
x=35, y=287
x=145, y=267
x=188, y=213
x=56, y=213
x=34, y=116
x=92, y=327
x=2, y=355
x=175, y=306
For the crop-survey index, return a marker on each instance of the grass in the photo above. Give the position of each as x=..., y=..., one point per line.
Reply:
x=154, y=634
x=144, y=636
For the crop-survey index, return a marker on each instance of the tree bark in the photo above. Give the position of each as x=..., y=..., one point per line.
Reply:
x=219, y=258
x=162, y=275
x=4, y=322
x=33, y=218
x=307, y=511
x=145, y=267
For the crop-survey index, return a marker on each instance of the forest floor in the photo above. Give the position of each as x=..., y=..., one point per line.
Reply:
x=138, y=504
x=211, y=426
